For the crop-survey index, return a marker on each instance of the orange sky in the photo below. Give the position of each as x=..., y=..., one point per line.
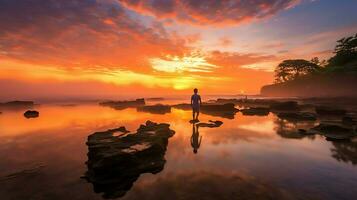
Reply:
x=110, y=48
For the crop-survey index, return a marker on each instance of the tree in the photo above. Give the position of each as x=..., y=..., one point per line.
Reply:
x=346, y=52
x=291, y=69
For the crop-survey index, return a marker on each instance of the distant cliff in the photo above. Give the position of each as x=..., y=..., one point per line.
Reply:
x=314, y=86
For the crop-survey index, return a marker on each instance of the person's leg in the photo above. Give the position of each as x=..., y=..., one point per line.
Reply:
x=197, y=113
x=193, y=114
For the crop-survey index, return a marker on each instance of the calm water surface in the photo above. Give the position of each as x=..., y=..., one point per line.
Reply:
x=44, y=158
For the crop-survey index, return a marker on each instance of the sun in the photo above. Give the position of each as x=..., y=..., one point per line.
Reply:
x=176, y=64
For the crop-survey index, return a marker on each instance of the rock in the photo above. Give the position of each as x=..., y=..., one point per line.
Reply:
x=115, y=162
x=307, y=132
x=119, y=105
x=227, y=110
x=335, y=132
x=155, y=109
x=323, y=110
x=260, y=111
x=31, y=114
x=349, y=121
x=211, y=124
x=297, y=116
x=285, y=106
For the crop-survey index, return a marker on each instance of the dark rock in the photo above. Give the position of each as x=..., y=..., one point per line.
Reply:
x=335, y=132
x=323, y=110
x=297, y=116
x=155, y=109
x=211, y=124
x=31, y=114
x=260, y=111
x=116, y=162
x=285, y=106
x=227, y=110
x=119, y=105
x=349, y=121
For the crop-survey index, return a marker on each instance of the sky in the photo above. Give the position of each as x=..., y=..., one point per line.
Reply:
x=110, y=48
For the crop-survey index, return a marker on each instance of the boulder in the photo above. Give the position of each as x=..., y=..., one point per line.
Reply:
x=259, y=111
x=324, y=110
x=115, y=162
x=120, y=105
x=285, y=106
x=297, y=116
x=31, y=114
x=155, y=109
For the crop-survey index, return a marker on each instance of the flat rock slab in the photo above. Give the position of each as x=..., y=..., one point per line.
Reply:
x=297, y=116
x=335, y=132
x=115, y=162
x=256, y=111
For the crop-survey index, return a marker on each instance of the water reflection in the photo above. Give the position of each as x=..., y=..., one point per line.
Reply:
x=345, y=152
x=195, y=138
x=290, y=129
x=250, y=155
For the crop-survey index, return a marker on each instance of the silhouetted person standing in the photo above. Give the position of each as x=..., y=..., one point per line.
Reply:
x=196, y=104
x=195, y=138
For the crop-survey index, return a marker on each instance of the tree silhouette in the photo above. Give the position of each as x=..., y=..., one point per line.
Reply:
x=291, y=69
x=346, y=52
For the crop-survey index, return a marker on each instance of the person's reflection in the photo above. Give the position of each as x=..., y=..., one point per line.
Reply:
x=195, y=138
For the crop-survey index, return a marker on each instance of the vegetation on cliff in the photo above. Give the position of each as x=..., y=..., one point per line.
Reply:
x=335, y=77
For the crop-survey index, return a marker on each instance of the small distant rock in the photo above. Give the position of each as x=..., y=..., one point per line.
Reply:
x=335, y=132
x=349, y=121
x=323, y=110
x=31, y=114
x=285, y=106
x=260, y=111
x=297, y=116
x=155, y=109
x=119, y=105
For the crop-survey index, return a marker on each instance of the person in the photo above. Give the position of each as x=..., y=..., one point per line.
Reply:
x=195, y=138
x=195, y=104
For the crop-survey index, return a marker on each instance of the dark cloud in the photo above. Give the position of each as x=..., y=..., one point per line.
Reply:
x=210, y=11
x=80, y=32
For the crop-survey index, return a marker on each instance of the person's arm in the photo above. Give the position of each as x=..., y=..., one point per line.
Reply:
x=191, y=100
x=200, y=100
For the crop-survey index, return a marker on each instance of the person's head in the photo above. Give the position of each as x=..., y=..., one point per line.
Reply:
x=195, y=90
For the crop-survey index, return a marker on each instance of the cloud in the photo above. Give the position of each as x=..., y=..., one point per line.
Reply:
x=81, y=33
x=236, y=60
x=209, y=12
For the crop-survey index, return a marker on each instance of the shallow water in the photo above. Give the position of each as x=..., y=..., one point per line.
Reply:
x=44, y=158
